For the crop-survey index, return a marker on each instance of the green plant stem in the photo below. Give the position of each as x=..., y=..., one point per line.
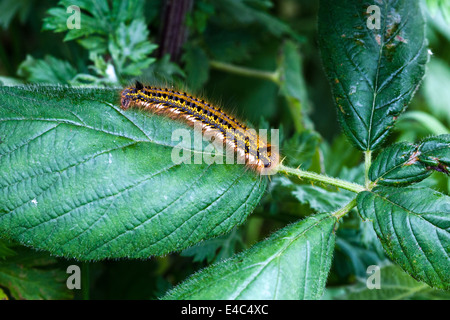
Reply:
x=345, y=209
x=428, y=121
x=85, y=280
x=266, y=75
x=367, y=164
x=312, y=176
x=294, y=105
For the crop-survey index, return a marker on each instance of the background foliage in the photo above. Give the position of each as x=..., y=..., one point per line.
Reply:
x=282, y=85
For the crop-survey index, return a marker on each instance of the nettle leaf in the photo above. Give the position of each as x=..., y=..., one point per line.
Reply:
x=116, y=28
x=292, y=264
x=100, y=17
x=93, y=19
x=81, y=178
x=405, y=163
x=373, y=73
x=49, y=70
x=413, y=225
x=130, y=43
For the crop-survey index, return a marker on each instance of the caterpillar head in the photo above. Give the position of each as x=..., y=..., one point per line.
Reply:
x=129, y=95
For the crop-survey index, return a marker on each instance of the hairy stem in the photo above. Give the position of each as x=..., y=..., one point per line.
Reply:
x=312, y=176
x=345, y=209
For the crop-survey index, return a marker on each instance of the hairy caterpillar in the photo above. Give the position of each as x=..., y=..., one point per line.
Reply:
x=255, y=151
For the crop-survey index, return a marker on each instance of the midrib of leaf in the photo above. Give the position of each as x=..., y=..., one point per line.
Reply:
x=345, y=91
x=278, y=280
x=375, y=87
x=384, y=84
x=70, y=166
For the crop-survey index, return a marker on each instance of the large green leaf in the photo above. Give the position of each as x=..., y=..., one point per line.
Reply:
x=81, y=178
x=373, y=73
x=292, y=264
x=404, y=163
x=413, y=225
